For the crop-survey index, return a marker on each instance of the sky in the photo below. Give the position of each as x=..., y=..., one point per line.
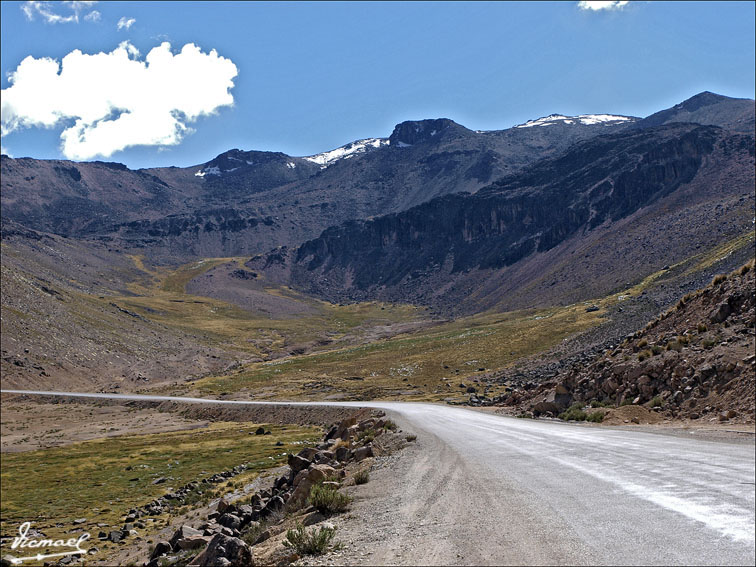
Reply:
x=171, y=83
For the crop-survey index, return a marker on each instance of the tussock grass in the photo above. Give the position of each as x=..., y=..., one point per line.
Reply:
x=362, y=476
x=313, y=542
x=329, y=500
x=102, y=479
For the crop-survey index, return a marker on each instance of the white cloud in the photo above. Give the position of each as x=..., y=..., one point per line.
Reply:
x=111, y=101
x=59, y=12
x=596, y=5
x=125, y=23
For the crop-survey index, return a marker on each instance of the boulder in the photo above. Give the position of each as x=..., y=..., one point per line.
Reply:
x=182, y=533
x=193, y=542
x=224, y=506
x=363, y=453
x=304, y=482
x=307, y=453
x=298, y=463
x=343, y=454
x=366, y=424
x=230, y=521
x=274, y=505
x=161, y=548
x=224, y=551
x=343, y=426
x=313, y=518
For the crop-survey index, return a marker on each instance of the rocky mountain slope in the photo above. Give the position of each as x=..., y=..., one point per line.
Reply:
x=599, y=217
x=248, y=202
x=736, y=114
x=61, y=326
x=695, y=361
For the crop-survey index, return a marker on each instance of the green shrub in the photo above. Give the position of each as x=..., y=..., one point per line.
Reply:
x=313, y=542
x=656, y=349
x=674, y=345
x=708, y=343
x=657, y=402
x=603, y=404
x=362, y=476
x=252, y=533
x=411, y=438
x=574, y=413
x=366, y=436
x=328, y=500
x=390, y=424
x=596, y=417
x=702, y=328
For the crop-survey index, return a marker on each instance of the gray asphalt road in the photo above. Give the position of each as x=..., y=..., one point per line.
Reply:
x=496, y=490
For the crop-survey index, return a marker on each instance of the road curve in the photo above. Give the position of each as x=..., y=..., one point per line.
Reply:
x=487, y=489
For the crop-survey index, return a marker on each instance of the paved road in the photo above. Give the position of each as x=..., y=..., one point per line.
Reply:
x=482, y=488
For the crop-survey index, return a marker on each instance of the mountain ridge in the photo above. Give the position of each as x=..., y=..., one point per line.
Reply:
x=410, y=256
x=247, y=202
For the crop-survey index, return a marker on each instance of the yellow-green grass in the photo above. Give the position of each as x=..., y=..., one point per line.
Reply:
x=423, y=365
x=722, y=251
x=176, y=280
x=696, y=263
x=100, y=480
x=226, y=325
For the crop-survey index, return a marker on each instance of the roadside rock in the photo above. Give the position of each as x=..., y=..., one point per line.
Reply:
x=224, y=551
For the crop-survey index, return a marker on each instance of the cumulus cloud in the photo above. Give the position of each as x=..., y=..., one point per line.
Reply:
x=110, y=101
x=125, y=23
x=59, y=12
x=596, y=5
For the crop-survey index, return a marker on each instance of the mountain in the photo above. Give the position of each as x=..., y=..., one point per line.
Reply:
x=120, y=278
x=707, y=108
x=64, y=326
x=248, y=202
x=599, y=217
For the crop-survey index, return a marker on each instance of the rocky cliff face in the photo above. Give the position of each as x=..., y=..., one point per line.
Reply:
x=419, y=254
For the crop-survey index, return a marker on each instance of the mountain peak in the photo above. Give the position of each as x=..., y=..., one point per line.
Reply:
x=414, y=132
x=708, y=108
x=705, y=98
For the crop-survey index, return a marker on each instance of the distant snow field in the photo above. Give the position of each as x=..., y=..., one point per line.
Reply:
x=359, y=147
x=587, y=119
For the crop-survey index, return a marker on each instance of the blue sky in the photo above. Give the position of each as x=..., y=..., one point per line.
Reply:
x=308, y=77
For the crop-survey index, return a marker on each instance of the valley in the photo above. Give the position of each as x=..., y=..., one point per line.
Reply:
x=566, y=269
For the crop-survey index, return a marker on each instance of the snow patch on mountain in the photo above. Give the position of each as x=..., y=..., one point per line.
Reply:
x=350, y=150
x=214, y=170
x=586, y=119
